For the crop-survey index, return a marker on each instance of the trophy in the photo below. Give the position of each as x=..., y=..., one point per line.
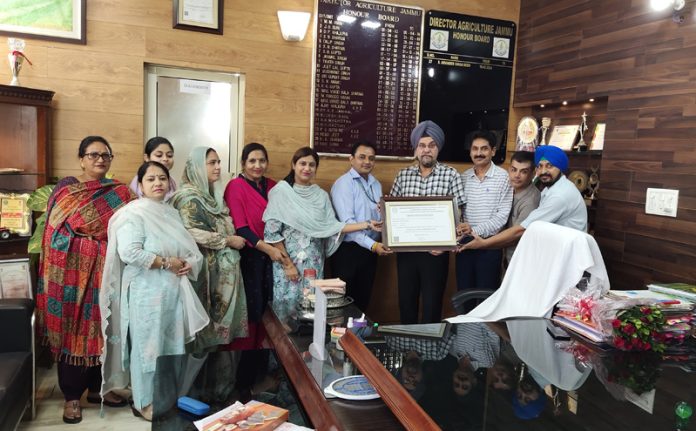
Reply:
x=545, y=124
x=593, y=182
x=581, y=145
x=16, y=58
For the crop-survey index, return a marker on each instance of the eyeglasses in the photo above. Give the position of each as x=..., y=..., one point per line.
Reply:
x=107, y=157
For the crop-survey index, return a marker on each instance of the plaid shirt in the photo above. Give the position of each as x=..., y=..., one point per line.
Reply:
x=443, y=181
x=478, y=342
x=427, y=349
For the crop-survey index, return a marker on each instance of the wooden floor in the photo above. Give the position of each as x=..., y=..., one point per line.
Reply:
x=49, y=410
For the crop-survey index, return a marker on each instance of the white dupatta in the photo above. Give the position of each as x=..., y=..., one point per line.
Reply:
x=162, y=221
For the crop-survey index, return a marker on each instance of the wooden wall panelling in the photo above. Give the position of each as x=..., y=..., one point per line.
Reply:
x=99, y=86
x=643, y=63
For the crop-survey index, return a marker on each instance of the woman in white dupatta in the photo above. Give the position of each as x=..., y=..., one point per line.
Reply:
x=148, y=306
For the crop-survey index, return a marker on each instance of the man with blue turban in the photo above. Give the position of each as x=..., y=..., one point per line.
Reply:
x=561, y=202
x=423, y=275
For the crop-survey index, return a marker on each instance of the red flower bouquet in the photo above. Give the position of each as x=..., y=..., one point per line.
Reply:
x=639, y=328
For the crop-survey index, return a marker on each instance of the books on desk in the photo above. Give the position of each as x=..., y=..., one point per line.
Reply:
x=253, y=415
x=666, y=301
x=679, y=290
x=579, y=327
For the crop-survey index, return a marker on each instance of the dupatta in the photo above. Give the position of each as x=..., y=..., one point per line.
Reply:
x=307, y=209
x=74, y=246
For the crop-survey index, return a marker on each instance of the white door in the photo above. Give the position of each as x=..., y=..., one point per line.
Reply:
x=195, y=108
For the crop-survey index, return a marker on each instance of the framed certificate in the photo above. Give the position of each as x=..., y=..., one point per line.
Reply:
x=564, y=137
x=15, y=279
x=198, y=15
x=14, y=213
x=598, y=138
x=419, y=223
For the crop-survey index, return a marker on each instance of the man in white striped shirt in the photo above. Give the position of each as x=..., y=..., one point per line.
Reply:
x=488, y=202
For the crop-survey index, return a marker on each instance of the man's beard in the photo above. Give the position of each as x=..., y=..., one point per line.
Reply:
x=428, y=164
x=552, y=182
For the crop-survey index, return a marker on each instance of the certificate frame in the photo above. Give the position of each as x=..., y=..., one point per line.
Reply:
x=445, y=205
x=15, y=214
x=16, y=279
x=597, y=143
x=182, y=8
x=564, y=137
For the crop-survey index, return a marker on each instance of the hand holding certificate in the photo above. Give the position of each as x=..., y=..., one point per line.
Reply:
x=419, y=223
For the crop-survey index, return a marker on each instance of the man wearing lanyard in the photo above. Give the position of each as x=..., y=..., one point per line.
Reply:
x=355, y=196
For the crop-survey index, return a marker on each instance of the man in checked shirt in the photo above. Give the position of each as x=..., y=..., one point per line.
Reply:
x=423, y=275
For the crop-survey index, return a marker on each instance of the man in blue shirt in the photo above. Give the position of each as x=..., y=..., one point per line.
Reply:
x=355, y=196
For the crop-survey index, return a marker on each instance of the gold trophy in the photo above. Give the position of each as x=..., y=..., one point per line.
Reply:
x=16, y=58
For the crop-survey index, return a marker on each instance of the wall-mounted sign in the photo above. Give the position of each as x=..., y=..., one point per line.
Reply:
x=466, y=78
x=367, y=62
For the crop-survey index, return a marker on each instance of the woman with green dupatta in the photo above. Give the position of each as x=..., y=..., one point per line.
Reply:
x=70, y=273
x=205, y=215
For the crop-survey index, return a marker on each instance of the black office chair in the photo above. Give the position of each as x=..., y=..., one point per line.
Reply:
x=466, y=300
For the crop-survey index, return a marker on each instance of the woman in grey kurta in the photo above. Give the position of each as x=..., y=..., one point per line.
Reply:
x=149, y=308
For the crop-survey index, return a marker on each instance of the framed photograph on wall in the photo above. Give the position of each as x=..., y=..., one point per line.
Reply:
x=198, y=15
x=15, y=279
x=56, y=20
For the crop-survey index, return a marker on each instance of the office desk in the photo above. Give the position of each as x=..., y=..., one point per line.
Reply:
x=505, y=376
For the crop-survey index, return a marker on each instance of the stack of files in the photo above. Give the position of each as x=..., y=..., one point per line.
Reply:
x=581, y=328
x=678, y=290
x=670, y=303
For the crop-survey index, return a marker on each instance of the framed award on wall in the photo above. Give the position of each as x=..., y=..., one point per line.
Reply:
x=598, y=137
x=564, y=137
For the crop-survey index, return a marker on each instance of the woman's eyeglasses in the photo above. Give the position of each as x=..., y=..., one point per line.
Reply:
x=107, y=157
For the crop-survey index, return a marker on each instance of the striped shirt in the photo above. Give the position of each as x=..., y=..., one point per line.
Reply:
x=487, y=201
x=443, y=181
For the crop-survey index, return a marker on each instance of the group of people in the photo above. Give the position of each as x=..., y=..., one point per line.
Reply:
x=495, y=209
x=128, y=274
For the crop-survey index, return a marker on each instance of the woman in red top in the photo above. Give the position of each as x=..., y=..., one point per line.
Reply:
x=247, y=197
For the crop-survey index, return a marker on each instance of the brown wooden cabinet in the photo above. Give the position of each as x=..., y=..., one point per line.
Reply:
x=25, y=125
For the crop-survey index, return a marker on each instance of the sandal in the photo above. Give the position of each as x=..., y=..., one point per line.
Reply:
x=72, y=412
x=146, y=413
x=96, y=399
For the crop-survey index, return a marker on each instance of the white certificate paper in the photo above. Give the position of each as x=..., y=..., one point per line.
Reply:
x=420, y=225
x=199, y=11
